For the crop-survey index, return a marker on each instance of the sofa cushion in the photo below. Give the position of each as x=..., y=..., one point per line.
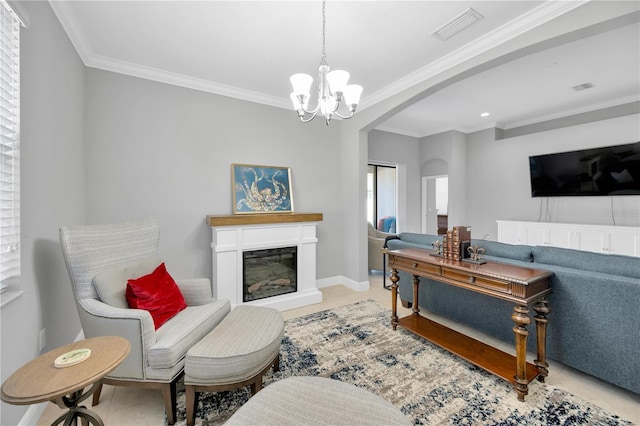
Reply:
x=510, y=251
x=111, y=285
x=157, y=293
x=625, y=266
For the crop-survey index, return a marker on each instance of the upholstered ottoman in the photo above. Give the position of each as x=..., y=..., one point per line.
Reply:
x=238, y=352
x=314, y=401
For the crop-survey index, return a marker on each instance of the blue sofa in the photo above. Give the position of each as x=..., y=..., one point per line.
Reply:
x=595, y=305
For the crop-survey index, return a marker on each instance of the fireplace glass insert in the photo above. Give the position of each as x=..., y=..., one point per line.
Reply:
x=269, y=272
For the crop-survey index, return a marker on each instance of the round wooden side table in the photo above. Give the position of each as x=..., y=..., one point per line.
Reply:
x=40, y=380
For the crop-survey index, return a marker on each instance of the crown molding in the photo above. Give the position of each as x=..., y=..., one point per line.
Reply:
x=167, y=77
x=20, y=12
x=518, y=26
x=538, y=16
x=515, y=124
x=403, y=132
x=575, y=111
x=71, y=26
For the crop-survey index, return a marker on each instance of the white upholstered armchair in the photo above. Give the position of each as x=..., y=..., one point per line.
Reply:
x=376, y=243
x=100, y=259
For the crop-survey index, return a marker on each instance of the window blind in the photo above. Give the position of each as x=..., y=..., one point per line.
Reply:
x=9, y=143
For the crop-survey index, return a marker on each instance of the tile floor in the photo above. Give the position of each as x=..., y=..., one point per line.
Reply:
x=135, y=406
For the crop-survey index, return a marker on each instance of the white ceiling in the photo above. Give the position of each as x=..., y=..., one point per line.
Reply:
x=248, y=50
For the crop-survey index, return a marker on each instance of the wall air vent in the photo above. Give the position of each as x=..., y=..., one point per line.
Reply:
x=583, y=86
x=457, y=24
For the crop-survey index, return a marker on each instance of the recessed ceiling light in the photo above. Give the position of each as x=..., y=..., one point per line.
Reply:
x=485, y=114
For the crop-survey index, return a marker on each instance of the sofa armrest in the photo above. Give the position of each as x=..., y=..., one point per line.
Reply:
x=390, y=237
x=135, y=325
x=196, y=291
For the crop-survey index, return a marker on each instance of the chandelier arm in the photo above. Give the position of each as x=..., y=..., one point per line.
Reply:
x=312, y=111
x=344, y=117
x=313, y=115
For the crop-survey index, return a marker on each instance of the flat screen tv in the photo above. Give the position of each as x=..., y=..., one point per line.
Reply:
x=612, y=170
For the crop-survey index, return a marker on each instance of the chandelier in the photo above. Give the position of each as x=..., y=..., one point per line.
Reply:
x=332, y=89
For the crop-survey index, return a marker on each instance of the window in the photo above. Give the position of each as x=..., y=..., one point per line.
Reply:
x=9, y=144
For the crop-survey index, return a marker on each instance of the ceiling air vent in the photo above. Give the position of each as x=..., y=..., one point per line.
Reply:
x=457, y=24
x=583, y=86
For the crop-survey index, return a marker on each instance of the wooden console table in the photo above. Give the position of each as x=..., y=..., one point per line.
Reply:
x=522, y=286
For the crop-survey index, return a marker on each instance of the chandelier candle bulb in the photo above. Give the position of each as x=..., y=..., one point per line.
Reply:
x=301, y=83
x=338, y=82
x=352, y=96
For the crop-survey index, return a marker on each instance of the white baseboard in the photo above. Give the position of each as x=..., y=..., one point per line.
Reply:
x=341, y=280
x=33, y=414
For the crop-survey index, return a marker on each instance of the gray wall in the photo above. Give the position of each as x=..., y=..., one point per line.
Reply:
x=495, y=182
x=498, y=177
x=495, y=175
x=159, y=151
x=52, y=192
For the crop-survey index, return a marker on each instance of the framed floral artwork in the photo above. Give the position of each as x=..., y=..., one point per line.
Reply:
x=261, y=189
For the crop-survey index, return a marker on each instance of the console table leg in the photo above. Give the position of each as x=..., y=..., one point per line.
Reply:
x=521, y=318
x=416, y=286
x=542, y=310
x=394, y=297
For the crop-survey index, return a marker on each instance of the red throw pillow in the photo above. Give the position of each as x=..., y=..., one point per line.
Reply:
x=157, y=293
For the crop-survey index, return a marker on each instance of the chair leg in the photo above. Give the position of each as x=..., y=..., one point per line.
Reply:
x=169, y=396
x=191, y=403
x=256, y=386
x=96, y=395
x=276, y=364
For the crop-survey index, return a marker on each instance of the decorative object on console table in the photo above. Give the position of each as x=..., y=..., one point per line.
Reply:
x=261, y=189
x=464, y=249
x=460, y=234
x=453, y=243
x=476, y=255
x=444, y=245
x=437, y=248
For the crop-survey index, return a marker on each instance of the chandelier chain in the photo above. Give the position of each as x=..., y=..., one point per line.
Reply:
x=324, y=23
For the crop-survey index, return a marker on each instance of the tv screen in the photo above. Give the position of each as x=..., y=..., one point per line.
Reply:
x=612, y=170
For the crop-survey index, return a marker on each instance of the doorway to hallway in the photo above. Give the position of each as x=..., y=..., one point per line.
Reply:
x=435, y=200
x=382, y=197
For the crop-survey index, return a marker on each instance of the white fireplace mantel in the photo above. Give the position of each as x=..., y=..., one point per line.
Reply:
x=233, y=235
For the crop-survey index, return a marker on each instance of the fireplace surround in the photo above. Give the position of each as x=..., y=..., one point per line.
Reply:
x=233, y=236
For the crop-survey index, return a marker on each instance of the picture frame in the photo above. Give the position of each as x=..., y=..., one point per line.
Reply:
x=260, y=189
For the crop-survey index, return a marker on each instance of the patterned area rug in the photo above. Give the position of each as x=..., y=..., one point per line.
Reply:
x=355, y=344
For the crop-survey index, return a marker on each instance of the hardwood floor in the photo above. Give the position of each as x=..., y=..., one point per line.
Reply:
x=136, y=406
